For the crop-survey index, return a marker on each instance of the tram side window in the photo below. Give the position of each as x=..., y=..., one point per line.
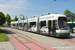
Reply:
x=54, y=24
x=49, y=24
x=42, y=23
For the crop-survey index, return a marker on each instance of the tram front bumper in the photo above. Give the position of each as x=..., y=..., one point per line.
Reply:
x=62, y=34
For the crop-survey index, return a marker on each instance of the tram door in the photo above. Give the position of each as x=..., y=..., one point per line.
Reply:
x=49, y=27
x=54, y=27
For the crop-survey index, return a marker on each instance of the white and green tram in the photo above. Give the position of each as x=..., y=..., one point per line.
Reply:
x=53, y=25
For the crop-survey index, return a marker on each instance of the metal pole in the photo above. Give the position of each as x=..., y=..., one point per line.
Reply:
x=23, y=23
x=18, y=24
x=72, y=24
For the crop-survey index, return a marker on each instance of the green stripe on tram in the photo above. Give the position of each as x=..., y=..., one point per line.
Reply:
x=62, y=34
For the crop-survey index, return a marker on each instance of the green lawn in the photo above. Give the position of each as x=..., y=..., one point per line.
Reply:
x=3, y=36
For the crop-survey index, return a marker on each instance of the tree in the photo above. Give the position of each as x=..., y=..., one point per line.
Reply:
x=72, y=15
x=69, y=17
x=67, y=11
x=48, y=13
x=15, y=19
x=8, y=19
x=23, y=18
x=42, y=15
x=2, y=18
x=12, y=20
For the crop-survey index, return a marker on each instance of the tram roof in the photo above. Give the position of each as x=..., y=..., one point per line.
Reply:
x=14, y=22
x=54, y=15
x=21, y=21
x=48, y=17
x=51, y=17
x=32, y=19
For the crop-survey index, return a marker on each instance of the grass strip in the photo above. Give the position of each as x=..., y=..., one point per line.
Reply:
x=3, y=36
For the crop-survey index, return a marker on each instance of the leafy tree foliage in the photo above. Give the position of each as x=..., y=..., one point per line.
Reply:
x=72, y=15
x=2, y=18
x=8, y=19
x=15, y=19
x=48, y=13
x=23, y=18
x=42, y=15
x=67, y=11
x=12, y=20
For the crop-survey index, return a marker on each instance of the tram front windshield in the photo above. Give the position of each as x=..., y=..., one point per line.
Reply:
x=62, y=23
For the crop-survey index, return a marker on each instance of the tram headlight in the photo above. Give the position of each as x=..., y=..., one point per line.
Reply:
x=58, y=31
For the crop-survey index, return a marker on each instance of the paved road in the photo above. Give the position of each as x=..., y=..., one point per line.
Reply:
x=58, y=43
x=23, y=42
x=7, y=46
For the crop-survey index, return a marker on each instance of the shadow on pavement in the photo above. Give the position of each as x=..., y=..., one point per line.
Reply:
x=55, y=37
x=7, y=31
x=71, y=37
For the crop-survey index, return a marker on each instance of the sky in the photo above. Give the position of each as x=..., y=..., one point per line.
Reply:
x=36, y=8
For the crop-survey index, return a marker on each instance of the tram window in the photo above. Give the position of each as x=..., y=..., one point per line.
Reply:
x=42, y=23
x=54, y=24
x=62, y=23
x=32, y=23
x=49, y=24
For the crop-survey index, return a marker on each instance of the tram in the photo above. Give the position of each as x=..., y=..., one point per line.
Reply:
x=53, y=25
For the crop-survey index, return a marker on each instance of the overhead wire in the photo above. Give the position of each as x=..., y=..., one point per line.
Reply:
x=12, y=5
x=70, y=4
x=41, y=6
x=34, y=8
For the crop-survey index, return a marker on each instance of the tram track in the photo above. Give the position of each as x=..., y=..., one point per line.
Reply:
x=69, y=40
x=45, y=40
x=10, y=40
x=18, y=40
x=25, y=39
